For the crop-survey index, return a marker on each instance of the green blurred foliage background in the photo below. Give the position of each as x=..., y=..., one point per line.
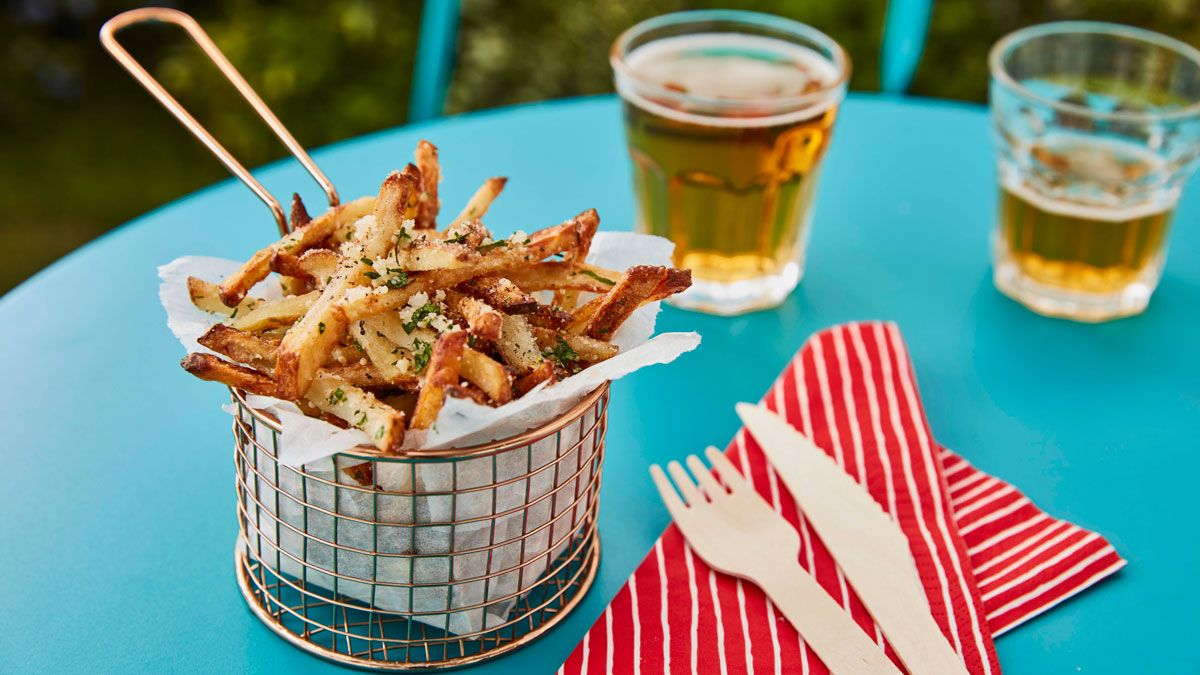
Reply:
x=83, y=148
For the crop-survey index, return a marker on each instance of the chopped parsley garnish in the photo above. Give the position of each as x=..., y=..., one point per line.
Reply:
x=356, y=344
x=398, y=279
x=421, y=314
x=371, y=275
x=337, y=396
x=402, y=235
x=321, y=328
x=495, y=244
x=561, y=352
x=421, y=351
x=379, y=434
x=360, y=418
x=471, y=340
x=459, y=239
x=235, y=311
x=597, y=277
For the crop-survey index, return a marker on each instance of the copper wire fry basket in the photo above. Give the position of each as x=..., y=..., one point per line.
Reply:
x=427, y=559
x=420, y=560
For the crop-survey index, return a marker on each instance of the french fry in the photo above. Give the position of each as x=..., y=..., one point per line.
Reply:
x=299, y=217
x=295, y=285
x=425, y=255
x=554, y=276
x=206, y=296
x=363, y=474
x=602, y=316
x=273, y=334
x=565, y=300
x=391, y=211
x=268, y=314
x=360, y=409
x=288, y=264
x=543, y=373
x=480, y=201
x=243, y=347
x=589, y=223
x=500, y=293
x=363, y=375
x=482, y=319
x=549, y=317
x=585, y=348
x=216, y=369
x=488, y=374
x=471, y=232
x=236, y=285
x=393, y=364
x=309, y=342
x=427, y=163
x=584, y=314
x=467, y=391
x=676, y=281
x=392, y=327
x=518, y=346
x=258, y=353
x=319, y=264
x=443, y=370
x=636, y=286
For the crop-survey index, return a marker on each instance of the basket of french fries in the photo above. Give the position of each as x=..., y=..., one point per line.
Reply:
x=419, y=415
x=419, y=409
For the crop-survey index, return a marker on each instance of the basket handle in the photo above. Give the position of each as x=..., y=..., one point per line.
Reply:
x=164, y=15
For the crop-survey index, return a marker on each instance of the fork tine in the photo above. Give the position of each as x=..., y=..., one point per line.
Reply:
x=725, y=469
x=691, y=494
x=704, y=477
x=675, y=505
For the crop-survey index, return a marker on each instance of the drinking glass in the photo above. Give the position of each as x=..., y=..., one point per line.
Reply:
x=1097, y=129
x=728, y=115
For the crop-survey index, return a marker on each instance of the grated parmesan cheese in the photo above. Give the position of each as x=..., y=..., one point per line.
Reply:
x=356, y=293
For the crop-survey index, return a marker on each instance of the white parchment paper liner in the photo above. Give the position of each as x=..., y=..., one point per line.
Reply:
x=311, y=443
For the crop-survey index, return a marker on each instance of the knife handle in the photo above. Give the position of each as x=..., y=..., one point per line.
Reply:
x=840, y=643
x=921, y=645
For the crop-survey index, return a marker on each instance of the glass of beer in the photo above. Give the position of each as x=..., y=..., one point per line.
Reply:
x=1097, y=128
x=728, y=115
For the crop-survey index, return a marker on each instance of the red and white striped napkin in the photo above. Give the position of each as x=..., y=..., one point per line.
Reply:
x=988, y=558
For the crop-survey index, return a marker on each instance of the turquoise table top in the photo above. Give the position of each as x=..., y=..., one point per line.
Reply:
x=116, y=552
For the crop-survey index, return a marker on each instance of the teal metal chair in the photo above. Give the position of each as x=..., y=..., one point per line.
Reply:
x=436, y=44
x=904, y=31
x=905, y=28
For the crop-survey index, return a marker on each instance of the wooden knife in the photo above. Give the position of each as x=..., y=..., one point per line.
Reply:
x=867, y=544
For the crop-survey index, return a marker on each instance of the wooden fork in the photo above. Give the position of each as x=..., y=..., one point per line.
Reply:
x=734, y=531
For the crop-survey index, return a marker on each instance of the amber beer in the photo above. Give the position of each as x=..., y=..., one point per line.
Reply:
x=1078, y=232
x=731, y=185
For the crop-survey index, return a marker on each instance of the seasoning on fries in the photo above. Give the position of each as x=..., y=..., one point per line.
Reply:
x=384, y=315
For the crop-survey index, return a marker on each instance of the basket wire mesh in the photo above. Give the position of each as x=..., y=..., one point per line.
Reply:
x=418, y=561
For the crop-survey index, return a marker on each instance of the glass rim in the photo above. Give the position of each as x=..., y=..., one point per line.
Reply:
x=1003, y=46
x=838, y=56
